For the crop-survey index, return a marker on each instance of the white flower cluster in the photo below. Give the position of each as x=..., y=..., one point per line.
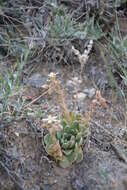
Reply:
x=54, y=123
x=83, y=57
x=50, y=119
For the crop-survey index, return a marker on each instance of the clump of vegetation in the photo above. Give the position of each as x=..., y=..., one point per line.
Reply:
x=11, y=90
x=67, y=134
x=64, y=141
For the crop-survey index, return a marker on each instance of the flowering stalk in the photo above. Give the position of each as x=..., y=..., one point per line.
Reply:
x=83, y=58
x=99, y=100
x=54, y=85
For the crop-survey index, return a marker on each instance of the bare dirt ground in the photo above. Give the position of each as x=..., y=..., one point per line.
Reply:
x=27, y=165
x=24, y=163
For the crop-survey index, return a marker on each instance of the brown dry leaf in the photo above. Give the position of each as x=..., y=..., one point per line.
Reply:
x=55, y=150
x=54, y=128
x=100, y=99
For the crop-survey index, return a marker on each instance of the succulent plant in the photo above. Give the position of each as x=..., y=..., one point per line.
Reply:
x=66, y=136
x=65, y=145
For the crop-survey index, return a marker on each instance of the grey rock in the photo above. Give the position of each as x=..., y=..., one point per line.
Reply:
x=77, y=184
x=90, y=92
x=46, y=187
x=86, y=185
x=80, y=96
x=124, y=181
x=70, y=88
x=36, y=80
x=77, y=80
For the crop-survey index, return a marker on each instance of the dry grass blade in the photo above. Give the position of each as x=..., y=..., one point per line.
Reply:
x=36, y=99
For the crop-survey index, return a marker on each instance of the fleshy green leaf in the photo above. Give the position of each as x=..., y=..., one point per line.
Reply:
x=72, y=157
x=48, y=140
x=67, y=136
x=67, y=152
x=70, y=130
x=59, y=134
x=63, y=122
x=66, y=145
x=67, y=129
x=75, y=125
x=72, y=142
x=79, y=155
x=78, y=136
x=80, y=141
x=64, y=163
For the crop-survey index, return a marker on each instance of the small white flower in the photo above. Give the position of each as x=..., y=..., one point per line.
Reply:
x=54, y=123
x=52, y=75
x=91, y=42
x=17, y=134
x=50, y=119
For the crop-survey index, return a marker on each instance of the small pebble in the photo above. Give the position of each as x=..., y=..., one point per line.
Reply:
x=76, y=79
x=70, y=88
x=80, y=96
x=90, y=92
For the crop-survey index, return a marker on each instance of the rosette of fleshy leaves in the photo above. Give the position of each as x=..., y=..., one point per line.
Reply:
x=65, y=144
